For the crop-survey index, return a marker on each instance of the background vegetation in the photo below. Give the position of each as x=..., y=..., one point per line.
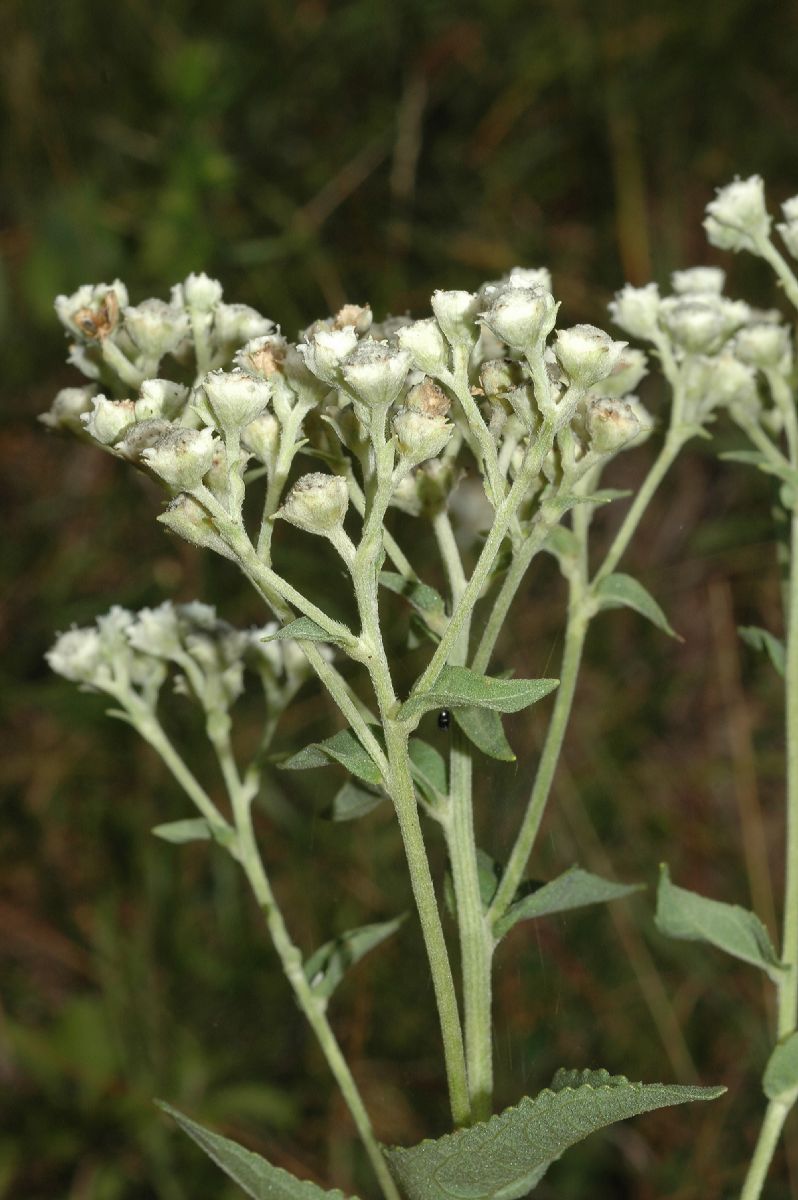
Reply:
x=308, y=153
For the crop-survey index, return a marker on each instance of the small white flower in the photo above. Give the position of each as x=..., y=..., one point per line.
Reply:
x=262, y=437
x=263, y=356
x=92, y=312
x=699, y=279
x=701, y=324
x=190, y=521
x=77, y=655
x=420, y=436
x=627, y=373
x=738, y=217
x=324, y=350
x=235, y=324
x=109, y=420
x=765, y=345
x=316, y=503
x=68, y=408
x=229, y=400
x=156, y=328
x=587, y=354
x=161, y=398
x=375, y=372
x=636, y=310
x=610, y=424
x=522, y=316
x=456, y=313
x=181, y=457
x=199, y=292
x=424, y=342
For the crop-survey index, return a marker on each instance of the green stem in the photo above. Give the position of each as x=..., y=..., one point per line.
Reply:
x=768, y=1140
x=788, y=988
x=781, y=267
x=457, y=382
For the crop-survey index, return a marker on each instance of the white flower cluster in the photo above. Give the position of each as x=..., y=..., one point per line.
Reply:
x=129, y=655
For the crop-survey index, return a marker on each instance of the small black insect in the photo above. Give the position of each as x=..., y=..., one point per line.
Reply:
x=444, y=718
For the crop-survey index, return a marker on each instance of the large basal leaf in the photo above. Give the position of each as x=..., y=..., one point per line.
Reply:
x=458, y=687
x=327, y=966
x=503, y=1158
x=257, y=1177
x=693, y=918
x=762, y=639
x=484, y=728
x=780, y=1080
x=622, y=591
x=428, y=603
x=575, y=888
x=343, y=748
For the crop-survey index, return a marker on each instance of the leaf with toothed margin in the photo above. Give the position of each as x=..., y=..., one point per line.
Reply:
x=460, y=687
x=253, y=1174
x=503, y=1158
x=484, y=728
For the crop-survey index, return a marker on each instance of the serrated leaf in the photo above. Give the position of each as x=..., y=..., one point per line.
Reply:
x=686, y=915
x=305, y=630
x=352, y=802
x=780, y=1080
x=195, y=829
x=257, y=1177
x=327, y=966
x=423, y=598
x=484, y=728
x=459, y=687
x=343, y=748
x=622, y=591
x=575, y=888
x=503, y=1158
x=762, y=639
x=429, y=769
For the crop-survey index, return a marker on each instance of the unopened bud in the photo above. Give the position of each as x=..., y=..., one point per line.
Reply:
x=700, y=325
x=737, y=218
x=375, y=372
x=424, y=342
x=109, y=420
x=789, y=227
x=189, y=520
x=636, y=310
x=764, y=345
x=200, y=292
x=263, y=356
x=499, y=376
x=161, y=398
x=522, y=316
x=419, y=436
x=708, y=280
x=630, y=368
x=324, y=350
x=587, y=354
x=456, y=313
x=228, y=400
x=316, y=503
x=262, y=437
x=234, y=324
x=427, y=398
x=529, y=277
x=68, y=407
x=156, y=328
x=354, y=315
x=78, y=656
x=610, y=424
x=181, y=457
x=142, y=436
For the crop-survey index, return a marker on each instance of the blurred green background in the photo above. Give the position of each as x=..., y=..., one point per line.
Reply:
x=310, y=153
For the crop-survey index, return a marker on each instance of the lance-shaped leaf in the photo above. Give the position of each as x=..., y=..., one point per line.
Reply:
x=754, y=458
x=575, y=888
x=428, y=603
x=780, y=1080
x=257, y=1177
x=327, y=966
x=460, y=687
x=305, y=630
x=351, y=802
x=503, y=1158
x=429, y=770
x=343, y=748
x=484, y=728
x=762, y=639
x=195, y=829
x=693, y=918
x=621, y=591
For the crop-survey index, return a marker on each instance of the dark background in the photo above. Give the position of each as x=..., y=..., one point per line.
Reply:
x=307, y=154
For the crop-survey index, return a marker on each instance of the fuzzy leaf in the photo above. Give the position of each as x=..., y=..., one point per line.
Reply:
x=253, y=1174
x=327, y=966
x=693, y=918
x=780, y=1080
x=762, y=639
x=343, y=748
x=621, y=591
x=195, y=829
x=753, y=458
x=575, y=888
x=351, y=802
x=563, y=543
x=484, y=728
x=459, y=687
x=423, y=598
x=429, y=769
x=503, y=1158
x=305, y=630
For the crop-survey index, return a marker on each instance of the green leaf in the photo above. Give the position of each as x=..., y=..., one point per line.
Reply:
x=429, y=770
x=327, y=966
x=780, y=1080
x=621, y=591
x=423, y=598
x=305, y=630
x=484, y=728
x=257, y=1177
x=196, y=829
x=351, y=802
x=489, y=873
x=575, y=888
x=462, y=687
x=503, y=1158
x=754, y=458
x=343, y=748
x=693, y=918
x=562, y=543
x=762, y=639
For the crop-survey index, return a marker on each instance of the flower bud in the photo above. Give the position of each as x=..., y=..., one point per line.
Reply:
x=636, y=310
x=262, y=437
x=420, y=436
x=92, y=312
x=324, y=350
x=529, y=277
x=68, y=408
x=316, y=503
x=522, y=316
x=701, y=325
x=630, y=368
x=189, y=520
x=263, y=356
x=181, y=457
x=499, y=376
x=78, y=656
x=199, y=292
x=427, y=398
x=157, y=631
x=587, y=354
x=234, y=324
x=738, y=217
x=109, y=420
x=375, y=372
x=699, y=279
x=789, y=227
x=161, y=398
x=354, y=315
x=142, y=436
x=456, y=313
x=156, y=328
x=228, y=400
x=610, y=424
x=765, y=345
x=424, y=343
x=721, y=381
